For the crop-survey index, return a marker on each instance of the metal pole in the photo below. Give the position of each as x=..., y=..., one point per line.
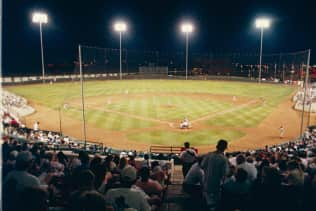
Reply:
x=309, y=110
x=186, y=54
x=260, y=59
x=275, y=70
x=305, y=89
x=42, y=54
x=120, y=55
x=60, y=130
x=82, y=100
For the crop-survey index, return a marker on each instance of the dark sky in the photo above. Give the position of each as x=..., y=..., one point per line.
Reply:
x=153, y=25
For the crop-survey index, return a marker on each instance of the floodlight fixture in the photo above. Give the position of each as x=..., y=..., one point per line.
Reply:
x=263, y=23
x=187, y=27
x=39, y=17
x=120, y=26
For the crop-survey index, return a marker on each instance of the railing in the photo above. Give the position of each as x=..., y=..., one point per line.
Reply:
x=165, y=149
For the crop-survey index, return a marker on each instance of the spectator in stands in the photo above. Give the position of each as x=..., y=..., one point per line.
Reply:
x=248, y=167
x=149, y=186
x=33, y=199
x=157, y=172
x=193, y=181
x=146, y=162
x=188, y=157
x=122, y=164
x=93, y=201
x=20, y=175
x=9, y=165
x=108, y=163
x=295, y=174
x=84, y=159
x=125, y=197
x=215, y=166
x=235, y=192
x=83, y=180
x=269, y=189
x=132, y=161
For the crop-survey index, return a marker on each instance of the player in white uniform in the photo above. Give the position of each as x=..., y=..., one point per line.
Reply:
x=282, y=130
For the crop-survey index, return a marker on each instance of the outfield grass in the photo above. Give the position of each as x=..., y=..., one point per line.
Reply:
x=165, y=100
x=201, y=137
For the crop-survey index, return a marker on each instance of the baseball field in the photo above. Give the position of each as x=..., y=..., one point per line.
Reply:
x=134, y=114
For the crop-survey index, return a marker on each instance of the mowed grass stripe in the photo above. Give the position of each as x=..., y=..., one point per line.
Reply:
x=202, y=137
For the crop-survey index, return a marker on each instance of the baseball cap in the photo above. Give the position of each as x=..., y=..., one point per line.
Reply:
x=129, y=174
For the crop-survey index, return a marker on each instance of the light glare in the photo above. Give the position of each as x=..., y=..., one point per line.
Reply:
x=39, y=17
x=263, y=23
x=187, y=27
x=120, y=26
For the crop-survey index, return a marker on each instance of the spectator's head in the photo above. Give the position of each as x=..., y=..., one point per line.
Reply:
x=249, y=159
x=240, y=159
x=144, y=173
x=116, y=159
x=123, y=163
x=92, y=201
x=34, y=199
x=24, y=160
x=84, y=157
x=293, y=165
x=282, y=165
x=200, y=159
x=128, y=176
x=13, y=155
x=95, y=162
x=146, y=156
x=271, y=176
x=186, y=145
x=154, y=164
x=241, y=175
x=221, y=145
x=85, y=179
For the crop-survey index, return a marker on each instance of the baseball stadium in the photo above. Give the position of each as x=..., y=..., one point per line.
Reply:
x=149, y=103
x=94, y=120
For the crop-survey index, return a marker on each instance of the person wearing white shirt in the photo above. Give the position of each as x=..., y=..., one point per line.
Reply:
x=127, y=197
x=188, y=157
x=248, y=167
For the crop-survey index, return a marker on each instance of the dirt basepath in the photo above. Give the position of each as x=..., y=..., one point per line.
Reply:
x=267, y=133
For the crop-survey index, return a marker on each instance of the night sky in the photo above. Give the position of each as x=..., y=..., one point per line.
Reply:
x=221, y=25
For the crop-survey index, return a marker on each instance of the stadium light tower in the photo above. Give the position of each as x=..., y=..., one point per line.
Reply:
x=120, y=27
x=261, y=23
x=41, y=18
x=186, y=28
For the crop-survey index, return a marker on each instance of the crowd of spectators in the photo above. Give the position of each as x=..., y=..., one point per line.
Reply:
x=12, y=100
x=281, y=177
x=37, y=178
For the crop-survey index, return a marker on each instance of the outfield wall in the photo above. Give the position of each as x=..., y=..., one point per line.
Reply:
x=115, y=76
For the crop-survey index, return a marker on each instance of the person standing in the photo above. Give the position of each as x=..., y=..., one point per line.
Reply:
x=215, y=166
x=282, y=130
x=36, y=126
x=188, y=158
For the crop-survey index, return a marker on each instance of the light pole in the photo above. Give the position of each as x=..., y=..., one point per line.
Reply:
x=39, y=17
x=120, y=27
x=186, y=28
x=261, y=23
